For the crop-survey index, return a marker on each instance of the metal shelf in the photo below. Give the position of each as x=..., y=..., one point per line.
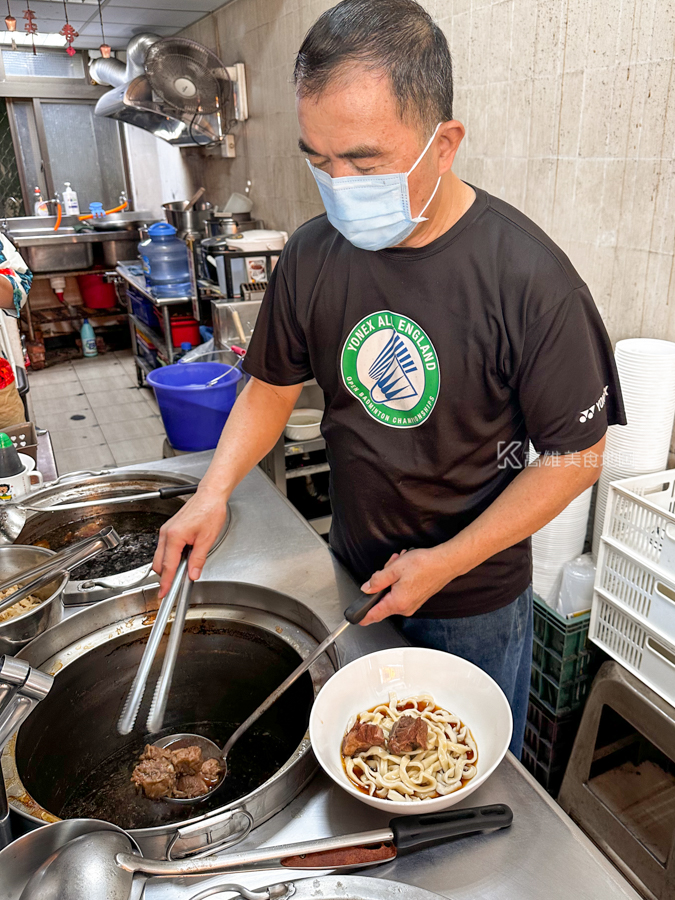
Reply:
x=138, y=283
x=307, y=470
x=293, y=448
x=158, y=341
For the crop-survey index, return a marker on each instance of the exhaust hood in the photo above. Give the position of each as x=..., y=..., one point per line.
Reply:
x=174, y=88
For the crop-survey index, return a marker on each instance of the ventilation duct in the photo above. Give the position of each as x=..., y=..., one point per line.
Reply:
x=156, y=88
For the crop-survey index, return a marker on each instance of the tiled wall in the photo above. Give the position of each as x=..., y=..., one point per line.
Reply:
x=569, y=107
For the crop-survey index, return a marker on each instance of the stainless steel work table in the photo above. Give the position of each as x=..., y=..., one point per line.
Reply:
x=543, y=856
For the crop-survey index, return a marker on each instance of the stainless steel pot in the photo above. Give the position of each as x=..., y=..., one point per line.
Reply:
x=57, y=528
x=16, y=632
x=240, y=641
x=185, y=221
x=229, y=225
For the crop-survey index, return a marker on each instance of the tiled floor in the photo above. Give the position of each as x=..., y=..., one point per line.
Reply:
x=96, y=414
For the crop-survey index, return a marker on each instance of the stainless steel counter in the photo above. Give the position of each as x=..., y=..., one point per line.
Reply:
x=542, y=855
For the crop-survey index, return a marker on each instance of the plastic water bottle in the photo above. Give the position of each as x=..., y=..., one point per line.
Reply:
x=88, y=339
x=165, y=262
x=71, y=207
x=185, y=347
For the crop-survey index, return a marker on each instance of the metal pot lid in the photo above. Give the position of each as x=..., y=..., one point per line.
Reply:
x=217, y=244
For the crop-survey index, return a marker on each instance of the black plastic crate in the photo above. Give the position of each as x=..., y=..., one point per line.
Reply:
x=562, y=659
x=548, y=744
x=549, y=777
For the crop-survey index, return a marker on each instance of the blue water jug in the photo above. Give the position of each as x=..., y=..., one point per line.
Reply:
x=165, y=262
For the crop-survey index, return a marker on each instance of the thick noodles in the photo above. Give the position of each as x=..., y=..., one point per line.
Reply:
x=444, y=767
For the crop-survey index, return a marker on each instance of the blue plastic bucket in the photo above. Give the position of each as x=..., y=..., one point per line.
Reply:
x=194, y=415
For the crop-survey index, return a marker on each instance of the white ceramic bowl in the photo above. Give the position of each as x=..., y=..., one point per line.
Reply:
x=304, y=424
x=456, y=685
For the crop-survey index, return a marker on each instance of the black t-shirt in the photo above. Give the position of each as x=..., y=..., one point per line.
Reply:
x=437, y=364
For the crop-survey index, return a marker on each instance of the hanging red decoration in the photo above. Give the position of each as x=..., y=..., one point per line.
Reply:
x=10, y=21
x=68, y=32
x=31, y=25
x=10, y=24
x=105, y=49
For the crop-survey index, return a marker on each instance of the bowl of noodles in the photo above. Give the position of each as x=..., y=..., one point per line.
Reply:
x=410, y=730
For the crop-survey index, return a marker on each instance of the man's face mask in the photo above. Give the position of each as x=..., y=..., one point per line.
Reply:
x=371, y=211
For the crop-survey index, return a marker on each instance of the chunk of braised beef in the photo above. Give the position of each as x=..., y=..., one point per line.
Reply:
x=190, y=786
x=361, y=737
x=187, y=760
x=211, y=769
x=156, y=777
x=408, y=734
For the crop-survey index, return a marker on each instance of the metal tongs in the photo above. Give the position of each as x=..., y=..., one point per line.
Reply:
x=21, y=688
x=178, y=595
x=61, y=564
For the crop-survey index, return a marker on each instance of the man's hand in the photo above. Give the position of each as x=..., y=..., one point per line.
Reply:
x=252, y=429
x=414, y=577
x=197, y=524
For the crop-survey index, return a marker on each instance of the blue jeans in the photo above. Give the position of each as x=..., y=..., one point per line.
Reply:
x=498, y=642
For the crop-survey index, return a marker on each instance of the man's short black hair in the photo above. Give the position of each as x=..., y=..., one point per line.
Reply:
x=397, y=37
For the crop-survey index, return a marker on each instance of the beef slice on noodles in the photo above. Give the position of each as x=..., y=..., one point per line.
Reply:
x=408, y=735
x=362, y=737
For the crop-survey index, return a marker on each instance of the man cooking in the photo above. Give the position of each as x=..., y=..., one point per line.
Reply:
x=446, y=331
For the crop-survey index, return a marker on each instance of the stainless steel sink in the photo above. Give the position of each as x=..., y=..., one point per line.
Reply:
x=46, y=250
x=65, y=250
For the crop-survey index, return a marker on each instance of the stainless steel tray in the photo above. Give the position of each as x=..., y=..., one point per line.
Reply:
x=325, y=887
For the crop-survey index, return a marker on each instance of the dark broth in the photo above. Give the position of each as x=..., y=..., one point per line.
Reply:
x=420, y=706
x=138, y=533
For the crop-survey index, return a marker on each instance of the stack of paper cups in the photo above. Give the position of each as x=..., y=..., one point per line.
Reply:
x=647, y=374
x=559, y=541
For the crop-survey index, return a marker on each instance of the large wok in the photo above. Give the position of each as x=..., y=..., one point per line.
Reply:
x=138, y=524
x=240, y=642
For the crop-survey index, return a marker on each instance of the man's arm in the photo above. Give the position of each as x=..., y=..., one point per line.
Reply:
x=253, y=427
x=537, y=495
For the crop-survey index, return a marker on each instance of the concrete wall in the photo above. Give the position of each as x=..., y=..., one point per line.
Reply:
x=569, y=113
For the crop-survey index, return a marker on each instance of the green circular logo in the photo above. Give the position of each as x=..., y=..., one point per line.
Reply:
x=391, y=366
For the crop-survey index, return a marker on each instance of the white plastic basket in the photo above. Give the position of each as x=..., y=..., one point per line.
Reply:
x=635, y=646
x=646, y=592
x=640, y=516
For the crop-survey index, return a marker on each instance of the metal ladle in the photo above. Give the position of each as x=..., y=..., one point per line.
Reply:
x=354, y=614
x=107, y=865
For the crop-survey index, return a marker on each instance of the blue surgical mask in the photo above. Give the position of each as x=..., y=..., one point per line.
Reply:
x=371, y=211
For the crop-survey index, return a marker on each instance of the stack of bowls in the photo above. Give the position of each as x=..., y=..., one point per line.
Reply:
x=647, y=374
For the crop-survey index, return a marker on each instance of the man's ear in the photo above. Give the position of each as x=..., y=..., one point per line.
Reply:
x=450, y=136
